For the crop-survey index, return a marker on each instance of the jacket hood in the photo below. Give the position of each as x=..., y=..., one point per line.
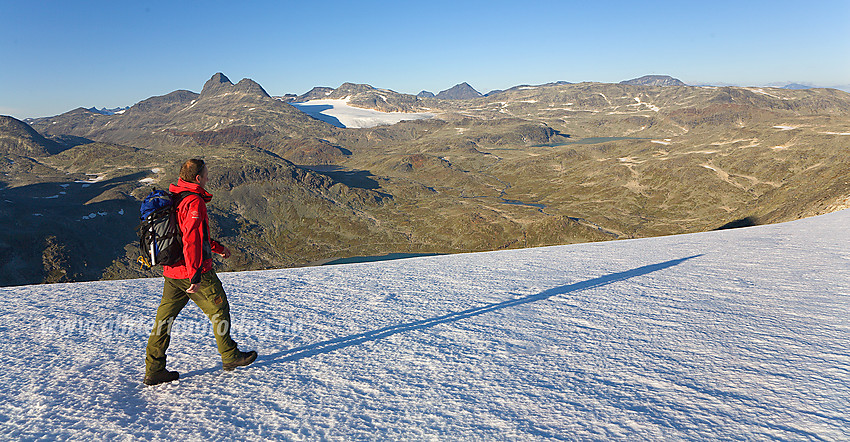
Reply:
x=185, y=186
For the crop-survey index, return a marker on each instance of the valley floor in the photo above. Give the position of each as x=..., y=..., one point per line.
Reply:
x=737, y=334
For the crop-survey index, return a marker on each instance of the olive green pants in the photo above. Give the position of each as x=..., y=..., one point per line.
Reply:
x=212, y=300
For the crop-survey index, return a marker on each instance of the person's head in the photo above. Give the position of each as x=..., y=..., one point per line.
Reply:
x=194, y=171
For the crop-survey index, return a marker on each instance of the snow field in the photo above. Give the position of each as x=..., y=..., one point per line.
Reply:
x=339, y=113
x=737, y=334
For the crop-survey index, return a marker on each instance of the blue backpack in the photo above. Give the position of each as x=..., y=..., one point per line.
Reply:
x=160, y=239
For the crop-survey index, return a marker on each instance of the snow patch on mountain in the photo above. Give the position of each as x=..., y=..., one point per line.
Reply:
x=105, y=111
x=339, y=113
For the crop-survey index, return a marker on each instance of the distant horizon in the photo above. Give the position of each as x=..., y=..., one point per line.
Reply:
x=844, y=87
x=59, y=56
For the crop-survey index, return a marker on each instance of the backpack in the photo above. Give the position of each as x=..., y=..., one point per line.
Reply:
x=160, y=239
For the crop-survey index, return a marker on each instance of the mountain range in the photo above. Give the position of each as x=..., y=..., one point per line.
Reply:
x=532, y=165
x=105, y=111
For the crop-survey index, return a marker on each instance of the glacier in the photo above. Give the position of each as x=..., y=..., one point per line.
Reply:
x=340, y=114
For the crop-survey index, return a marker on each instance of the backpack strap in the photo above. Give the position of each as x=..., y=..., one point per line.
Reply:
x=178, y=197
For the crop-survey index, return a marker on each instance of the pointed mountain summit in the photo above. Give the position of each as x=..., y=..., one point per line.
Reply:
x=461, y=91
x=153, y=122
x=216, y=84
x=219, y=83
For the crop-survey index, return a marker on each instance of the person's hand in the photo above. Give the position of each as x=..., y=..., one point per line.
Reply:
x=193, y=288
x=226, y=253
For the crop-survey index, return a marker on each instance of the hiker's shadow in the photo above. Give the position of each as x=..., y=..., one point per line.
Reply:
x=331, y=345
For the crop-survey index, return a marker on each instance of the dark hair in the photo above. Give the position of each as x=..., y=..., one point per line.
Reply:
x=191, y=169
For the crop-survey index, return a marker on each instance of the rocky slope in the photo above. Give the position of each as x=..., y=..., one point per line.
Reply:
x=462, y=91
x=532, y=165
x=19, y=139
x=654, y=80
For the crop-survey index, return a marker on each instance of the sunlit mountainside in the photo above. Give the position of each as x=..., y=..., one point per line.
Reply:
x=529, y=166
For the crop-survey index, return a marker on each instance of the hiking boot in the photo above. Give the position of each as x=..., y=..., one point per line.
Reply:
x=243, y=359
x=161, y=377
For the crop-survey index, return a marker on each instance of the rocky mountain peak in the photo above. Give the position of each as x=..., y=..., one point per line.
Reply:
x=317, y=93
x=353, y=89
x=216, y=84
x=249, y=86
x=654, y=80
x=462, y=91
x=219, y=83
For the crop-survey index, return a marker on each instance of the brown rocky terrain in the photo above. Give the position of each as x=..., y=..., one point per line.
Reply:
x=530, y=166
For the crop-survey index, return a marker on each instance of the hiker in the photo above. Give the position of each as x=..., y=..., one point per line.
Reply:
x=192, y=278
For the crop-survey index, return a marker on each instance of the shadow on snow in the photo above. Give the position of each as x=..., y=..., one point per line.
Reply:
x=331, y=345
x=315, y=111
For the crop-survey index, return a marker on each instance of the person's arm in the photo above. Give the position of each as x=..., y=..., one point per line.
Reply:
x=219, y=249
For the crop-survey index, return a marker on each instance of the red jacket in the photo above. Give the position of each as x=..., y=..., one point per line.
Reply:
x=194, y=223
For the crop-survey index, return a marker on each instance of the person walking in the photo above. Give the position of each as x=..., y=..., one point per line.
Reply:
x=192, y=278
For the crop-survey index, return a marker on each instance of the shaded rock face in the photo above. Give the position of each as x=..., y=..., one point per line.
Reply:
x=18, y=138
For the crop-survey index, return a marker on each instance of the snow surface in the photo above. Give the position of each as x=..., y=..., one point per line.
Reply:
x=734, y=334
x=341, y=114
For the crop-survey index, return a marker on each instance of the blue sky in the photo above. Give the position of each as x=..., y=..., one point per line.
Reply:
x=59, y=55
